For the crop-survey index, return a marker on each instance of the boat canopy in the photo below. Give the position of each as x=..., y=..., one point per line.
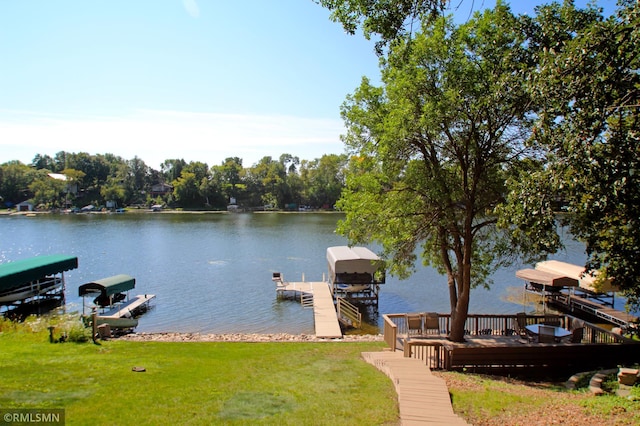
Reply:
x=354, y=265
x=586, y=282
x=108, y=286
x=547, y=279
x=20, y=272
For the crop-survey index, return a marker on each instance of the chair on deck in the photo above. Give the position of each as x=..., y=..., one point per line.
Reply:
x=414, y=324
x=520, y=324
x=552, y=320
x=576, y=335
x=576, y=323
x=546, y=334
x=431, y=323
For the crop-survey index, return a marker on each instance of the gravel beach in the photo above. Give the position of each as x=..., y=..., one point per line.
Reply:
x=240, y=337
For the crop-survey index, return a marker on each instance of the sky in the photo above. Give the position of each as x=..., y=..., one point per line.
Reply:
x=198, y=80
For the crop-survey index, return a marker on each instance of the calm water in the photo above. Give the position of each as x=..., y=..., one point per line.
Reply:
x=212, y=272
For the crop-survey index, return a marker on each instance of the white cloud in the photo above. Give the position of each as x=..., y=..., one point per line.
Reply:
x=155, y=136
x=191, y=7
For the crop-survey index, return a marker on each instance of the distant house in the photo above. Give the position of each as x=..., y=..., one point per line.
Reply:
x=160, y=189
x=25, y=206
x=71, y=188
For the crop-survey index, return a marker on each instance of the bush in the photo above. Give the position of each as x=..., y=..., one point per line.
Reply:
x=77, y=332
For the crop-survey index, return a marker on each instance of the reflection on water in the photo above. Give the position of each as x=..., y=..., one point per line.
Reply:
x=211, y=273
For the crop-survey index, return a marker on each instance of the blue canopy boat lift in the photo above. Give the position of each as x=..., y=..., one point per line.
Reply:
x=111, y=299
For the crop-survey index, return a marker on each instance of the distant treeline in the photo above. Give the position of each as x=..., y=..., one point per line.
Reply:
x=106, y=180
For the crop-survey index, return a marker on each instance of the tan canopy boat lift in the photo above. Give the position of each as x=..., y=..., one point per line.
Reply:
x=355, y=273
x=568, y=287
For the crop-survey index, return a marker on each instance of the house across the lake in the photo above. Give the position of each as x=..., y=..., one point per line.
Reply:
x=160, y=189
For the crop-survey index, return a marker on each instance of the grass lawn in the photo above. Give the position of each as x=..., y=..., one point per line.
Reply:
x=500, y=401
x=194, y=383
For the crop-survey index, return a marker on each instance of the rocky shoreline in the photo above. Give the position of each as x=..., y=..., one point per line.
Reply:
x=242, y=337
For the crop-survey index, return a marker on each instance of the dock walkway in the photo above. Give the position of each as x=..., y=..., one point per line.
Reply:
x=422, y=397
x=128, y=309
x=324, y=311
x=574, y=303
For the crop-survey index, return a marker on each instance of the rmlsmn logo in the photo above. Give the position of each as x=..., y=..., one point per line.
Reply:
x=19, y=416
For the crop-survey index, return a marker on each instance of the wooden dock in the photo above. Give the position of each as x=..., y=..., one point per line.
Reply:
x=324, y=311
x=422, y=397
x=129, y=308
x=573, y=303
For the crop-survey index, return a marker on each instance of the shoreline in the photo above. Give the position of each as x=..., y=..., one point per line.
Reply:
x=9, y=212
x=244, y=337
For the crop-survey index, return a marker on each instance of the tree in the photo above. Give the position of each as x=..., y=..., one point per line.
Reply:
x=266, y=181
x=112, y=190
x=171, y=169
x=186, y=189
x=230, y=176
x=15, y=178
x=324, y=179
x=431, y=149
x=43, y=162
x=388, y=19
x=47, y=190
x=588, y=86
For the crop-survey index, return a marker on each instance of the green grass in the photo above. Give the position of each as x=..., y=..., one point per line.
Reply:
x=501, y=400
x=194, y=383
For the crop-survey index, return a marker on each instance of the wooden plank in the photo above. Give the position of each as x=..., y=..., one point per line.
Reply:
x=126, y=308
x=326, y=318
x=422, y=397
x=324, y=310
x=566, y=356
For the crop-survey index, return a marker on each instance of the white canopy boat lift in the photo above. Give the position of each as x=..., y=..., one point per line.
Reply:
x=355, y=275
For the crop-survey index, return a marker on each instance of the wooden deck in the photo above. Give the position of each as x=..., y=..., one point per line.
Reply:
x=422, y=397
x=324, y=311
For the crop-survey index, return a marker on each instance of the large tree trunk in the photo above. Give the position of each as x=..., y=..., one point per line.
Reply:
x=459, y=317
x=460, y=311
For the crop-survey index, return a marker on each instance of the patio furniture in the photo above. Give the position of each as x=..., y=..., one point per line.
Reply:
x=546, y=334
x=557, y=333
x=552, y=320
x=431, y=324
x=414, y=324
x=576, y=323
x=520, y=326
x=576, y=335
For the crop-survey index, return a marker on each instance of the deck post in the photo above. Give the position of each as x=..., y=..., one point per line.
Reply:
x=94, y=324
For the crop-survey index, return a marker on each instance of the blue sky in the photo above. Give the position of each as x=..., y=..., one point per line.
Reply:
x=192, y=79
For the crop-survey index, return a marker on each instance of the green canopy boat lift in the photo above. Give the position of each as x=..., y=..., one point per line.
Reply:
x=34, y=280
x=112, y=297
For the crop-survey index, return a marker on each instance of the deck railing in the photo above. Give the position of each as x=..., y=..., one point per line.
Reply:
x=437, y=354
x=349, y=313
x=502, y=325
x=391, y=331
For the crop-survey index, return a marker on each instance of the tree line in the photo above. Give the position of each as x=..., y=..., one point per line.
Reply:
x=102, y=179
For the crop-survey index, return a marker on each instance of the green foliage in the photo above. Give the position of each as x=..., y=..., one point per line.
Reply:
x=102, y=178
x=587, y=87
x=431, y=147
x=388, y=19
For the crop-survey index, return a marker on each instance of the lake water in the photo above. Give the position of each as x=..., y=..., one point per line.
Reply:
x=211, y=273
